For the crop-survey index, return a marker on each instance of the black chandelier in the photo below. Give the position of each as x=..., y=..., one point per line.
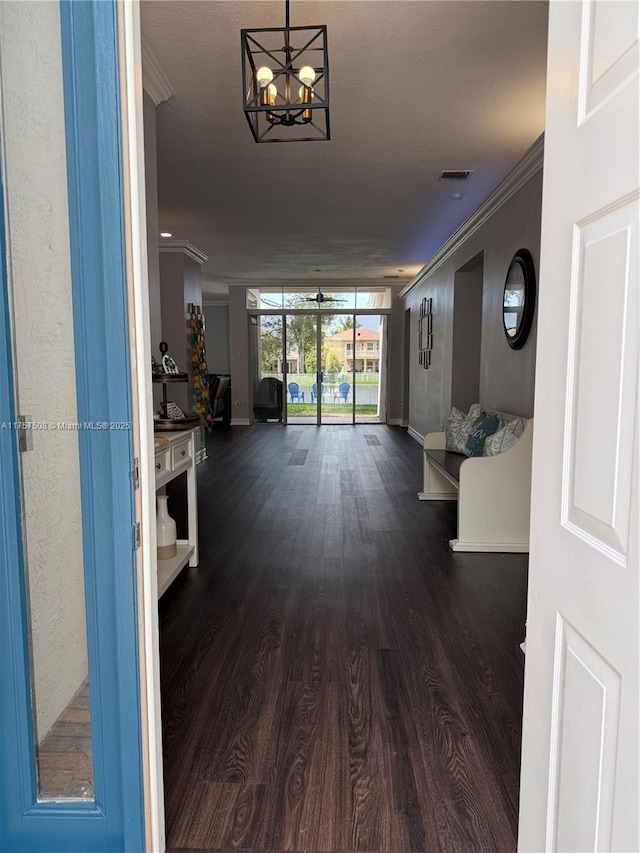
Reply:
x=285, y=83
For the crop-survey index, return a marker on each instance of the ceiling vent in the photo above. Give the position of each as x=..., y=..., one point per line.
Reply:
x=390, y=276
x=455, y=175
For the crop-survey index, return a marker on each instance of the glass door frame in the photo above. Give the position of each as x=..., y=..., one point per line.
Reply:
x=115, y=818
x=320, y=359
x=318, y=313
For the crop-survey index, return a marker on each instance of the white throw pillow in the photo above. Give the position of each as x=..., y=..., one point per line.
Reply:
x=457, y=431
x=504, y=438
x=475, y=410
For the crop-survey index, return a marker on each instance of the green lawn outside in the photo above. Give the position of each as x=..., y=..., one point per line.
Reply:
x=330, y=409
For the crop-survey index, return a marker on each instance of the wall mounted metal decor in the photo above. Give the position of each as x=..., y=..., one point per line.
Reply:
x=425, y=333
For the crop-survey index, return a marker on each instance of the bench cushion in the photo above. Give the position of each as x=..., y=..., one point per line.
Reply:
x=504, y=438
x=457, y=430
x=483, y=426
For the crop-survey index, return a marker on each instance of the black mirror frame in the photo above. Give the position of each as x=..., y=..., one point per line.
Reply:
x=523, y=258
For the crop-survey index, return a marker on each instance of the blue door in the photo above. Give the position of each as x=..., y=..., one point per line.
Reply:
x=71, y=757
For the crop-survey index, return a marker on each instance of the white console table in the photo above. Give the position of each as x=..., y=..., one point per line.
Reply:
x=178, y=457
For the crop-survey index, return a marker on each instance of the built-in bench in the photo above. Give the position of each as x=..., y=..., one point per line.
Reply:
x=493, y=492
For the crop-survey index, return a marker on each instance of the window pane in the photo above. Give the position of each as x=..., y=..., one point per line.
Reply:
x=339, y=298
x=373, y=297
x=369, y=368
x=304, y=298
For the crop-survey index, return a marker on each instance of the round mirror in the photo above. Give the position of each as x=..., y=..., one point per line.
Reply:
x=519, y=299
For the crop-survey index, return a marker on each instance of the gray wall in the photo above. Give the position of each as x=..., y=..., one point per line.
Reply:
x=396, y=363
x=506, y=375
x=216, y=319
x=239, y=354
x=180, y=284
x=467, y=334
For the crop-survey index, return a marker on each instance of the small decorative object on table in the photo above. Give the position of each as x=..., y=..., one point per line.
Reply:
x=166, y=535
x=171, y=416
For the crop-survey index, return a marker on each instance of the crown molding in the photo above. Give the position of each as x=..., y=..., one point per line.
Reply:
x=155, y=82
x=523, y=171
x=183, y=247
x=315, y=282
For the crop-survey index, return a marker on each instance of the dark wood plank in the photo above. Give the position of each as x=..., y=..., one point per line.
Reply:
x=309, y=805
x=334, y=678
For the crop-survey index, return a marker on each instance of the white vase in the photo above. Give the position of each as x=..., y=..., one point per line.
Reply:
x=165, y=530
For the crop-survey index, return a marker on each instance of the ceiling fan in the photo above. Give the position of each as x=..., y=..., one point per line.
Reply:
x=320, y=298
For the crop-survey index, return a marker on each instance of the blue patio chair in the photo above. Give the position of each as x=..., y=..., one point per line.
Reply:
x=343, y=391
x=314, y=391
x=295, y=393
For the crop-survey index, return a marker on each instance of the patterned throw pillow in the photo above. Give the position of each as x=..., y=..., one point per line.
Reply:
x=504, y=438
x=482, y=427
x=475, y=410
x=457, y=431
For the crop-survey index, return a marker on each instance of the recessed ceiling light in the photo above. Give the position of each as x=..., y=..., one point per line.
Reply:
x=456, y=196
x=166, y=234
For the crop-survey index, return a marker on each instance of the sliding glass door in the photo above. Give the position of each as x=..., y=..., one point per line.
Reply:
x=337, y=399
x=369, y=368
x=331, y=366
x=301, y=349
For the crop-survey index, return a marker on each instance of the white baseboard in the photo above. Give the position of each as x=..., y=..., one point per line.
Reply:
x=395, y=421
x=405, y=422
x=415, y=434
x=240, y=422
x=489, y=547
x=437, y=496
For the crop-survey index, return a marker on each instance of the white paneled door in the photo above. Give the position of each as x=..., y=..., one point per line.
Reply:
x=581, y=719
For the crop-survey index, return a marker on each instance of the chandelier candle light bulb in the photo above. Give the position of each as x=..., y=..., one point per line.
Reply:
x=306, y=96
x=264, y=76
x=269, y=95
x=307, y=75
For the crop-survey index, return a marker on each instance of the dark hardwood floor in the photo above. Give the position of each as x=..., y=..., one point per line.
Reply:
x=334, y=678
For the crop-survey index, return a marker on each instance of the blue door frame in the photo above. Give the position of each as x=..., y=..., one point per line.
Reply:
x=114, y=821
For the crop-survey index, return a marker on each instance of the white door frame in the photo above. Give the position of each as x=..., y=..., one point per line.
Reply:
x=138, y=280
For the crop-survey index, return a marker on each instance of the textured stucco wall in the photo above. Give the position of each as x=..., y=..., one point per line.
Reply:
x=506, y=376
x=41, y=283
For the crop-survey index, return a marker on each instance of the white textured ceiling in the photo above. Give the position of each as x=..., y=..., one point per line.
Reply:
x=417, y=86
